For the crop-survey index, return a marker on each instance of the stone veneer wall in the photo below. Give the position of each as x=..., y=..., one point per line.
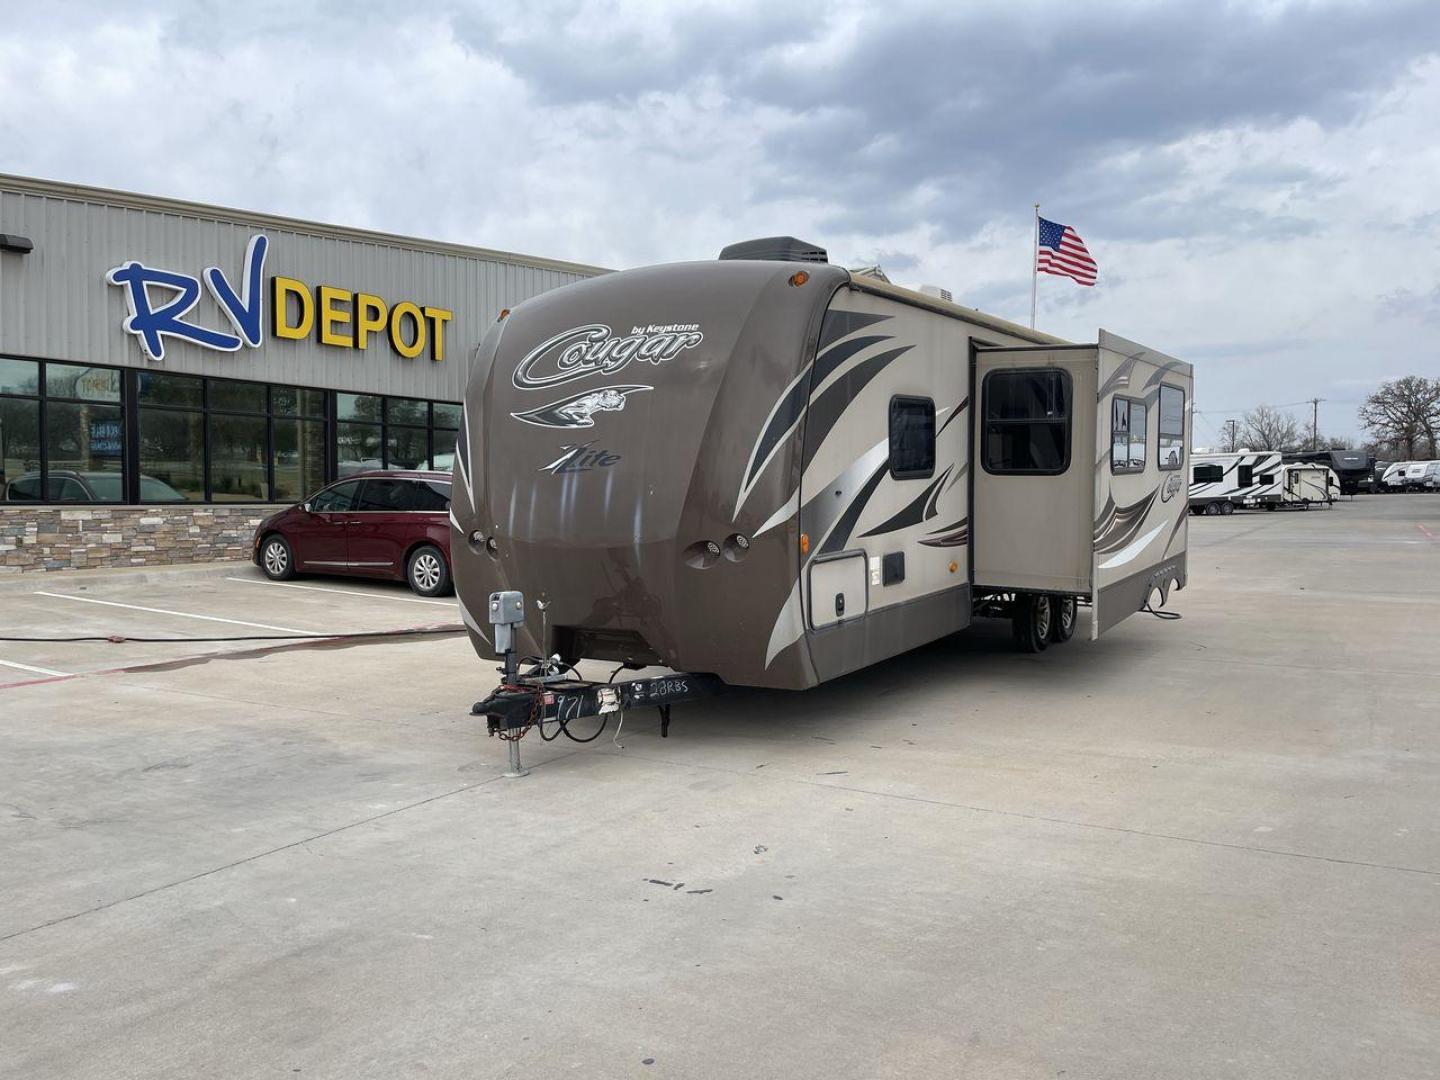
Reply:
x=71, y=538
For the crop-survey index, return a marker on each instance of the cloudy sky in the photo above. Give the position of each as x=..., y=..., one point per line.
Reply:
x=1258, y=181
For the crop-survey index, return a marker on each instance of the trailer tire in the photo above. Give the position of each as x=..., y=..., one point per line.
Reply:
x=1212, y=509
x=1031, y=620
x=1064, y=611
x=1227, y=507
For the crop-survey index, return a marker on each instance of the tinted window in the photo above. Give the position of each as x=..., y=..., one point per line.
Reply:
x=386, y=496
x=1246, y=475
x=432, y=495
x=20, y=444
x=357, y=407
x=297, y=401
x=67, y=489
x=26, y=489
x=237, y=396
x=1172, y=427
x=912, y=438
x=19, y=376
x=1208, y=474
x=86, y=383
x=1127, y=435
x=157, y=389
x=1027, y=422
x=238, y=458
x=337, y=499
x=447, y=415
x=84, y=439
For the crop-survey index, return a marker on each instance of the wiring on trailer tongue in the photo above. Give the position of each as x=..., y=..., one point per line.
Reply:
x=1168, y=615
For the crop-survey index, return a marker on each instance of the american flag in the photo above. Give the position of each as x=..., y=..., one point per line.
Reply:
x=1062, y=252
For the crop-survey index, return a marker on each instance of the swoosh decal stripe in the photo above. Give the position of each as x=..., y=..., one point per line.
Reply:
x=826, y=410
x=839, y=324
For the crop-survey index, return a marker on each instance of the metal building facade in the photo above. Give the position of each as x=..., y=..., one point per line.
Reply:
x=55, y=301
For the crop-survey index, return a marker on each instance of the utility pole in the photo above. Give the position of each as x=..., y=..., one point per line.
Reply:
x=1315, y=423
x=1234, y=436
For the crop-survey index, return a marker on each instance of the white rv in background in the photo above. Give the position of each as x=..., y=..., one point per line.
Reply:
x=1412, y=476
x=1223, y=483
x=1303, y=485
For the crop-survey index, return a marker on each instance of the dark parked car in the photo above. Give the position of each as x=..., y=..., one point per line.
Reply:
x=69, y=485
x=377, y=524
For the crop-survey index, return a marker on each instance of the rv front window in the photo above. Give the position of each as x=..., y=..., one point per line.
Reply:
x=1172, y=427
x=1027, y=421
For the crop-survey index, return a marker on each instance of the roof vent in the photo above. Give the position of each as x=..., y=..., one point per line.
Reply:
x=775, y=249
x=937, y=292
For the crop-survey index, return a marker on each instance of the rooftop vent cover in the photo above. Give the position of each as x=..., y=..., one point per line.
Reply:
x=775, y=249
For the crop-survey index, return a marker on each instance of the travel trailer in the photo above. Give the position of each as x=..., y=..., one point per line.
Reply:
x=1351, y=467
x=770, y=471
x=1303, y=485
x=1223, y=483
x=1410, y=476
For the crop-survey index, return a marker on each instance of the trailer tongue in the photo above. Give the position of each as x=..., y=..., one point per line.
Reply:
x=546, y=694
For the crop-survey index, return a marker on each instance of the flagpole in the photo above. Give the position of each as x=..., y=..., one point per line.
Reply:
x=1034, y=258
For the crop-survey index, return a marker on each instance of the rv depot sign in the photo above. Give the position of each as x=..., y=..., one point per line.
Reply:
x=336, y=316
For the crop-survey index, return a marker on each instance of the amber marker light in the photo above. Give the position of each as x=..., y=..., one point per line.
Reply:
x=954, y=566
x=804, y=543
x=799, y=277
x=504, y=312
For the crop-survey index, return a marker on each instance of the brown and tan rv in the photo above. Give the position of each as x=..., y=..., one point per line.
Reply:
x=772, y=471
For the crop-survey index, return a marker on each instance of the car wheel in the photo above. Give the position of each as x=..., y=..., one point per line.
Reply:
x=427, y=573
x=276, y=559
x=1031, y=621
x=1064, y=610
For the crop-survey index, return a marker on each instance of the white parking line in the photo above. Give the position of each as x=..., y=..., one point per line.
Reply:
x=347, y=592
x=27, y=667
x=166, y=611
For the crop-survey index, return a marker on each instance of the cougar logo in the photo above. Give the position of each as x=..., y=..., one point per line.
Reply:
x=595, y=350
x=578, y=410
x=1172, y=487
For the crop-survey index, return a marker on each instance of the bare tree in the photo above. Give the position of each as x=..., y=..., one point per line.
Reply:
x=1270, y=429
x=1406, y=414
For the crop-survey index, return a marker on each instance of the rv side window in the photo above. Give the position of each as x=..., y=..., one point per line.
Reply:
x=1245, y=476
x=912, y=438
x=1027, y=422
x=1172, y=427
x=1265, y=478
x=1127, y=435
x=1208, y=474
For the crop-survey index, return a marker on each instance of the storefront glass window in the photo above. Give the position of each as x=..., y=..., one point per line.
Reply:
x=299, y=458
x=172, y=455
x=83, y=443
x=297, y=401
x=357, y=447
x=357, y=407
x=237, y=396
x=20, y=450
x=158, y=389
x=19, y=376
x=238, y=458
x=444, y=450
x=406, y=448
x=407, y=411
x=447, y=416
x=85, y=383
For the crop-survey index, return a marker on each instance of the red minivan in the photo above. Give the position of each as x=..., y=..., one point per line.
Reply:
x=374, y=524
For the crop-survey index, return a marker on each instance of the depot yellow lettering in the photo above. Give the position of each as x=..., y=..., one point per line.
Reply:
x=371, y=317
x=350, y=320
x=398, y=314
x=437, y=318
x=281, y=289
x=327, y=297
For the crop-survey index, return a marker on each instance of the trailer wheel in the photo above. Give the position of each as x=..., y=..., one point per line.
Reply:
x=1212, y=509
x=1031, y=620
x=1227, y=507
x=1063, y=611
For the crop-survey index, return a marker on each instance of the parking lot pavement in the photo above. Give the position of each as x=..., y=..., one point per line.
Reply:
x=1205, y=848
x=231, y=601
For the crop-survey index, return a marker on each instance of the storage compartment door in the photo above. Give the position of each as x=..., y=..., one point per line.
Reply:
x=1033, y=468
x=838, y=589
